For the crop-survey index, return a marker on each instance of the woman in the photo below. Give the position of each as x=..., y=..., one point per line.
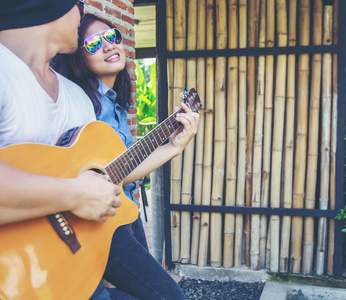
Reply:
x=99, y=67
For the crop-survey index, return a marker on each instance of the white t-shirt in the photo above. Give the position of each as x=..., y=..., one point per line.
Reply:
x=28, y=113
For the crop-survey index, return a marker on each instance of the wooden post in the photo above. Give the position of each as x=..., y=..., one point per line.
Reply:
x=201, y=26
x=267, y=137
x=278, y=132
x=219, y=136
x=208, y=142
x=257, y=155
x=301, y=137
x=241, y=173
x=186, y=189
x=325, y=137
x=232, y=135
x=314, y=120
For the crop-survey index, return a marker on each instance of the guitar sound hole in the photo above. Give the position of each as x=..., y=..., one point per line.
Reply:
x=97, y=171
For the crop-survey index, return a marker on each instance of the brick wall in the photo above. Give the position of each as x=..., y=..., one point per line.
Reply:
x=121, y=14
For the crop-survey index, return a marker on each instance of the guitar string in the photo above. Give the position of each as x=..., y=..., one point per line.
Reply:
x=120, y=164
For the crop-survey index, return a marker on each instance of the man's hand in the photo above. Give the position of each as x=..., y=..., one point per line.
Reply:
x=98, y=197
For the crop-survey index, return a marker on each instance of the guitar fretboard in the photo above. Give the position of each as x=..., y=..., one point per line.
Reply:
x=124, y=164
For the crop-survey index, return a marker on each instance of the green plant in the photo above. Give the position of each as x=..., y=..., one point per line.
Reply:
x=342, y=216
x=146, y=97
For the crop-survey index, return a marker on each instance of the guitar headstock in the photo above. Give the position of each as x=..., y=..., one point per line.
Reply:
x=191, y=99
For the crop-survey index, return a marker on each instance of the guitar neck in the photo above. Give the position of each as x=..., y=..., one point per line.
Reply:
x=124, y=164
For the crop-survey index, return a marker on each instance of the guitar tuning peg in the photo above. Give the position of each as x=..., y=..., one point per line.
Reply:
x=184, y=93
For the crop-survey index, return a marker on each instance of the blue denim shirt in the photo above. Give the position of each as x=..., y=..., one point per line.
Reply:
x=116, y=116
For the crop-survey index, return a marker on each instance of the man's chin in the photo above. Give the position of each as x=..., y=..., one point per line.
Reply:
x=70, y=50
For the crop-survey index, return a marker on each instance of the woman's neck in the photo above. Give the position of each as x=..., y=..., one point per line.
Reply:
x=108, y=80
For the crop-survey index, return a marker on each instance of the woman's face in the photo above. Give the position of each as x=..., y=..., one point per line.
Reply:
x=109, y=60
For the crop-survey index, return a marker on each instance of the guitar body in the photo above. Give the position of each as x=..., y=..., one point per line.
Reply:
x=34, y=262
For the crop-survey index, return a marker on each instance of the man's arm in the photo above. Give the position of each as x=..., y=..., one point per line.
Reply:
x=25, y=196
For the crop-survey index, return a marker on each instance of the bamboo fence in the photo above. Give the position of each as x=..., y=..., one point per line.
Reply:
x=201, y=27
x=179, y=83
x=301, y=137
x=333, y=144
x=325, y=137
x=311, y=176
x=208, y=139
x=289, y=140
x=186, y=189
x=266, y=136
x=241, y=171
x=219, y=136
x=258, y=138
x=232, y=133
x=264, y=256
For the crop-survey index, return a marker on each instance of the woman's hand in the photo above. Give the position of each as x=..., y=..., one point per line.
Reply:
x=180, y=138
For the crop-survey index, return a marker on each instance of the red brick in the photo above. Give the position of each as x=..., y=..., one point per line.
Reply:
x=129, y=43
x=123, y=29
x=132, y=33
x=120, y=4
x=128, y=20
x=132, y=110
x=132, y=55
x=112, y=12
x=133, y=77
x=134, y=132
x=95, y=4
x=131, y=65
x=131, y=10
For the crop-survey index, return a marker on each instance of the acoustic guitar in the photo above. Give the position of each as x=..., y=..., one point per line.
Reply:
x=61, y=256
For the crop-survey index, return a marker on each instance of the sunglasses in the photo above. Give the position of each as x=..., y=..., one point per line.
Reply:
x=81, y=7
x=93, y=43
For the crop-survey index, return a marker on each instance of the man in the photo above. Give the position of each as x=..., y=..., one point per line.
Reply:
x=38, y=105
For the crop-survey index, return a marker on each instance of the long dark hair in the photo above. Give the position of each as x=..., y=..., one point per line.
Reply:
x=74, y=68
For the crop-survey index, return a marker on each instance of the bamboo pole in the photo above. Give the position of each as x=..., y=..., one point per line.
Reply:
x=325, y=137
x=301, y=136
x=251, y=70
x=201, y=26
x=219, y=136
x=289, y=139
x=257, y=155
x=208, y=141
x=314, y=116
x=179, y=85
x=267, y=136
x=241, y=173
x=232, y=135
x=186, y=189
x=170, y=47
x=278, y=132
x=333, y=144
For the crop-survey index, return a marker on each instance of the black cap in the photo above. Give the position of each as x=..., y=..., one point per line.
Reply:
x=27, y=13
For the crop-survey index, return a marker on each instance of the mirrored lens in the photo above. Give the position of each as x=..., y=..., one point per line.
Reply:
x=93, y=43
x=113, y=36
